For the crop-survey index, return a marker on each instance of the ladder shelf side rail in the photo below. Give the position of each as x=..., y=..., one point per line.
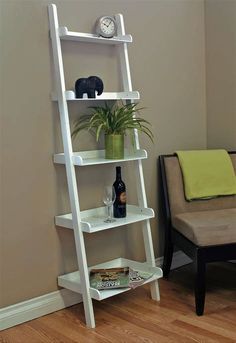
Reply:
x=70, y=170
x=146, y=228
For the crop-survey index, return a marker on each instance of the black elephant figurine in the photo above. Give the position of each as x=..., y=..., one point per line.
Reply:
x=88, y=85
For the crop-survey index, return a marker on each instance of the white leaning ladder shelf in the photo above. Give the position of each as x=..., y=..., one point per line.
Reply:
x=83, y=221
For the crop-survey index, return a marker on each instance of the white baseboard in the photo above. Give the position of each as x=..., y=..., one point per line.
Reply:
x=48, y=303
x=37, y=307
x=179, y=260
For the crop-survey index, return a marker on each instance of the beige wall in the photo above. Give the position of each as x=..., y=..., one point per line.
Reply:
x=221, y=73
x=168, y=68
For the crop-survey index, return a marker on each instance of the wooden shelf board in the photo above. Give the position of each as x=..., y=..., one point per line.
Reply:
x=93, y=157
x=93, y=220
x=72, y=280
x=70, y=96
x=65, y=34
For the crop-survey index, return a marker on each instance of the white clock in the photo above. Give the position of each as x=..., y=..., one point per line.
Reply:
x=106, y=26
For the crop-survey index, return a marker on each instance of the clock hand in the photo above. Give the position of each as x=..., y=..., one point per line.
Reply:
x=106, y=24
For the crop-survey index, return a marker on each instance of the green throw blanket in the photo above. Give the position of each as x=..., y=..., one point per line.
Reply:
x=207, y=173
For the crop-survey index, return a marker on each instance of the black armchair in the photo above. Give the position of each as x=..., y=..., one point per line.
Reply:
x=205, y=230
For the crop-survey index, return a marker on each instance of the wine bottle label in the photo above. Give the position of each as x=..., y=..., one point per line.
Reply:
x=123, y=197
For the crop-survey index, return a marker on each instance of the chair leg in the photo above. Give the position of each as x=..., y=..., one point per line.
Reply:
x=168, y=254
x=200, y=283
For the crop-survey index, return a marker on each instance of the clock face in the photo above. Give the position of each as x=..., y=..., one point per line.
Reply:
x=106, y=27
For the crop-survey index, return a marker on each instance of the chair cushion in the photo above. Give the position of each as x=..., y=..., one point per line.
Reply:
x=205, y=228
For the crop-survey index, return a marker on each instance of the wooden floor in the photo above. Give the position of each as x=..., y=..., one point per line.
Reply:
x=134, y=317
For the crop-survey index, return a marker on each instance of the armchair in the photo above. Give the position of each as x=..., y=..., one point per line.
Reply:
x=205, y=230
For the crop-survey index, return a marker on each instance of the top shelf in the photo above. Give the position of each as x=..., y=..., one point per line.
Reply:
x=92, y=38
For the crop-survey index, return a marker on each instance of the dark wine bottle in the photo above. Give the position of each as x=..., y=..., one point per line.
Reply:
x=119, y=206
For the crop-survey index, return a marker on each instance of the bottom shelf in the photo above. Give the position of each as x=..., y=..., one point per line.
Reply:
x=72, y=281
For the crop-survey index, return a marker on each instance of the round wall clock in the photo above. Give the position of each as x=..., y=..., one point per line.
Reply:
x=106, y=26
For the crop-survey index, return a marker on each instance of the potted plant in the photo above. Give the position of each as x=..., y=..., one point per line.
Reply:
x=114, y=121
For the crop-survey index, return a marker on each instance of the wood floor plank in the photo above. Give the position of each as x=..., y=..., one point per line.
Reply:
x=122, y=331
x=49, y=333
x=135, y=328
x=67, y=323
x=22, y=334
x=133, y=317
x=153, y=324
x=175, y=334
x=202, y=332
x=212, y=326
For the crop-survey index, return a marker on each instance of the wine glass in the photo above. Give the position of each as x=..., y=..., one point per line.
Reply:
x=108, y=198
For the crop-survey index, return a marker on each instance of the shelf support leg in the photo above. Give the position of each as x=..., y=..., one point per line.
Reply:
x=147, y=236
x=146, y=230
x=70, y=168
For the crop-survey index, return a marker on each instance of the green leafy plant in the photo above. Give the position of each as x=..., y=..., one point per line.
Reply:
x=117, y=119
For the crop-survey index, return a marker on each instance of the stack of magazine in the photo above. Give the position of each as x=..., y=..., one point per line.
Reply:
x=122, y=277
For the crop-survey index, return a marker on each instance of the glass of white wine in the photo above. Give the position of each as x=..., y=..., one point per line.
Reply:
x=108, y=198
